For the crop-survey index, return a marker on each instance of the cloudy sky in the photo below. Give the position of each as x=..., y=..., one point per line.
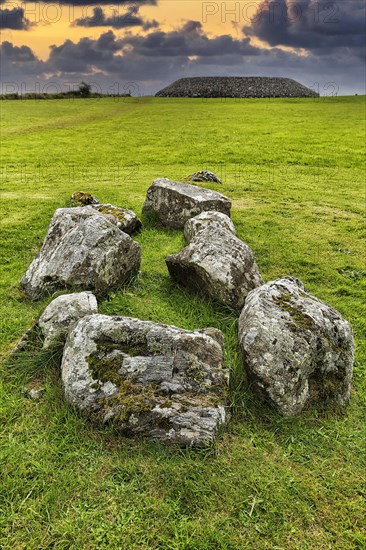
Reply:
x=144, y=45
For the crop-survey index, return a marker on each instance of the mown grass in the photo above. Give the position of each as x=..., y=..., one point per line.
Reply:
x=295, y=172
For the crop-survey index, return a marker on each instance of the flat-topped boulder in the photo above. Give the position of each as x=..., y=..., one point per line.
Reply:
x=297, y=350
x=174, y=202
x=206, y=219
x=147, y=379
x=82, y=249
x=217, y=264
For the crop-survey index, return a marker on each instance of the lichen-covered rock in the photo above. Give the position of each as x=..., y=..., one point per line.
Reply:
x=149, y=380
x=83, y=249
x=217, y=264
x=126, y=219
x=174, y=202
x=204, y=175
x=83, y=199
x=297, y=349
x=62, y=313
x=205, y=219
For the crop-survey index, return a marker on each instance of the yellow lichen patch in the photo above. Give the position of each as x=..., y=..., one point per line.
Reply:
x=131, y=399
x=117, y=213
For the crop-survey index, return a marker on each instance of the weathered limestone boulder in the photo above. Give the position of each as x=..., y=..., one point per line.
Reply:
x=297, y=349
x=126, y=219
x=82, y=199
x=217, y=264
x=62, y=313
x=204, y=175
x=205, y=219
x=149, y=380
x=174, y=202
x=83, y=249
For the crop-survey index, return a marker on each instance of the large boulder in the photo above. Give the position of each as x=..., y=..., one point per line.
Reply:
x=297, y=349
x=147, y=379
x=173, y=202
x=62, y=313
x=217, y=264
x=127, y=220
x=205, y=219
x=83, y=249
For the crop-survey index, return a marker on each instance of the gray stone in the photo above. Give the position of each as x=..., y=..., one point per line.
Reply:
x=126, y=220
x=35, y=395
x=204, y=175
x=205, y=219
x=297, y=349
x=83, y=249
x=217, y=264
x=62, y=313
x=149, y=380
x=174, y=202
x=34, y=391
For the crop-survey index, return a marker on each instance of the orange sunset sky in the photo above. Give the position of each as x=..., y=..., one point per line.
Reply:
x=55, y=22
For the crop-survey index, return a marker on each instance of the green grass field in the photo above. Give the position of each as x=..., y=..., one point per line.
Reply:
x=294, y=170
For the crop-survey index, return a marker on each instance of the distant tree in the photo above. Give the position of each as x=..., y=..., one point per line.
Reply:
x=85, y=89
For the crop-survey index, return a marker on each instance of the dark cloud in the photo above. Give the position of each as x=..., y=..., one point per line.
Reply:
x=14, y=19
x=131, y=18
x=317, y=26
x=83, y=56
x=17, y=54
x=188, y=41
x=156, y=59
x=18, y=63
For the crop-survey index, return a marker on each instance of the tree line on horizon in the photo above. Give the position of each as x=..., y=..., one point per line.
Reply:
x=84, y=91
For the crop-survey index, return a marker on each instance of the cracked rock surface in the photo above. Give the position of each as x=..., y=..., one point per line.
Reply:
x=174, y=202
x=217, y=264
x=83, y=249
x=205, y=219
x=64, y=311
x=148, y=379
x=297, y=349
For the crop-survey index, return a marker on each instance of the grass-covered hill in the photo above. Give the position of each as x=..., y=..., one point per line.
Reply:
x=294, y=170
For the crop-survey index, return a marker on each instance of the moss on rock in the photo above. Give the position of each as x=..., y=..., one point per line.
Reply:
x=300, y=319
x=80, y=198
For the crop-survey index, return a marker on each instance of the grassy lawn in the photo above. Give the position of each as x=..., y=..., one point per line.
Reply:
x=294, y=170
